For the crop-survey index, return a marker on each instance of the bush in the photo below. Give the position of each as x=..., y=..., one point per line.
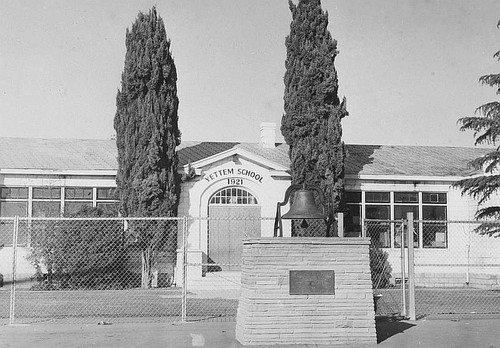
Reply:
x=80, y=254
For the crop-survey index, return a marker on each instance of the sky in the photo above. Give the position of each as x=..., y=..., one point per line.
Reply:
x=408, y=68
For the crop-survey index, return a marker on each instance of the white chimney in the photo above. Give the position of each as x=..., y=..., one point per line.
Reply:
x=268, y=135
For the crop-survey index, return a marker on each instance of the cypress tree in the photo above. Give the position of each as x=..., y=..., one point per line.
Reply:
x=486, y=127
x=147, y=133
x=311, y=124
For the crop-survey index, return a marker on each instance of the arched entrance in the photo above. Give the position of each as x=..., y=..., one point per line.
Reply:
x=234, y=214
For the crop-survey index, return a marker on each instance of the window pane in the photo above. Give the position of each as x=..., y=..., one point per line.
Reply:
x=353, y=197
x=78, y=193
x=109, y=208
x=401, y=211
x=434, y=198
x=14, y=192
x=377, y=197
x=74, y=207
x=106, y=193
x=11, y=209
x=233, y=196
x=380, y=232
x=434, y=212
x=406, y=197
x=47, y=192
x=435, y=234
x=352, y=220
x=378, y=212
x=46, y=209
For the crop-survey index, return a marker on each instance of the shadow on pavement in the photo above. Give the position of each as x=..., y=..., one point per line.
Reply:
x=390, y=326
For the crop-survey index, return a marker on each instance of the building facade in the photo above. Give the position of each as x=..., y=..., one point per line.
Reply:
x=240, y=184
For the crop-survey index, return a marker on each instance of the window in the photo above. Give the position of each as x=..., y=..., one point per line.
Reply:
x=380, y=232
x=46, y=209
x=80, y=193
x=106, y=193
x=233, y=195
x=377, y=197
x=14, y=193
x=406, y=197
x=352, y=215
x=11, y=209
x=404, y=203
x=435, y=231
x=77, y=197
x=46, y=202
x=14, y=201
x=384, y=208
x=73, y=207
x=46, y=193
x=105, y=199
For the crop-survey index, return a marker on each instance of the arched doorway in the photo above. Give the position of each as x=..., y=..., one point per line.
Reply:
x=234, y=214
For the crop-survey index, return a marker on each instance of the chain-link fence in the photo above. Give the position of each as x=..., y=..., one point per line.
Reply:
x=173, y=269
x=456, y=269
x=117, y=269
x=213, y=277
x=88, y=269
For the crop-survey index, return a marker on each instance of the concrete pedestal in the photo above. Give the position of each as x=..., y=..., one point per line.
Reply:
x=343, y=311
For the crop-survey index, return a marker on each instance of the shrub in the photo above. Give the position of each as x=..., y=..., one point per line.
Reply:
x=80, y=254
x=380, y=267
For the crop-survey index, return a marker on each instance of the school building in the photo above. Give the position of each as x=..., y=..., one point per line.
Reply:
x=46, y=177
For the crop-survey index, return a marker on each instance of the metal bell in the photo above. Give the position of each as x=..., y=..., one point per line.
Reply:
x=304, y=207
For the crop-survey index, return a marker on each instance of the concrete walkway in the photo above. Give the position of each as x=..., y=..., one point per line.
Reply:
x=422, y=333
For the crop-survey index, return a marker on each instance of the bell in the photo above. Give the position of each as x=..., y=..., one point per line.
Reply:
x=304, y=207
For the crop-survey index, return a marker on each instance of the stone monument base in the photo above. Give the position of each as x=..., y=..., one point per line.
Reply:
x=306, y=291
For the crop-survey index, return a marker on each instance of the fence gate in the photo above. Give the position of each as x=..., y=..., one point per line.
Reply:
x=388, y=285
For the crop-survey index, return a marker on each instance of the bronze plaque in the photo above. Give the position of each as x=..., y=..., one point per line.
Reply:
x=309, y=282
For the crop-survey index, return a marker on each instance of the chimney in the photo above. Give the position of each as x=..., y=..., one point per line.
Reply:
x=268, y=135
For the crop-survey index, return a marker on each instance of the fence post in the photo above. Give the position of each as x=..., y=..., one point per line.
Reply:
x=340, y=224
x=403, y=267
x=411, y=269
x=184, y=270
x=14, y=271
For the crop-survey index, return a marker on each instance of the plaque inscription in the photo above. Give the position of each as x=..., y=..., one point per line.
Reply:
x=312, y=282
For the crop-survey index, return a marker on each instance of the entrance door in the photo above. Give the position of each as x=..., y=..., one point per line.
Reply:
x=234, y=215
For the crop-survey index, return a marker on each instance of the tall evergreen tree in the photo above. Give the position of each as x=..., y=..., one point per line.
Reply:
x=486, y=127
x=147, y=133
x=311, y=124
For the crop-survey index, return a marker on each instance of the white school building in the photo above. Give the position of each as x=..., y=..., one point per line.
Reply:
x=235, y=180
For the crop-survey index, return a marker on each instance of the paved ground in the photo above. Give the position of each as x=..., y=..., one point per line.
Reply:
x=422, y=333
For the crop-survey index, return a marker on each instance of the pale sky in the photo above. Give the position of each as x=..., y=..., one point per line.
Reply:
x=409, y=69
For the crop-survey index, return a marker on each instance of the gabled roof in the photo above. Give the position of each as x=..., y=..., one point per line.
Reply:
x=192, y=152
x=377, y=160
